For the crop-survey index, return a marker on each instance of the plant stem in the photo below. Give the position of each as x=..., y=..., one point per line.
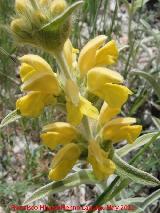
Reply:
x=61, y=61
x=64, y=68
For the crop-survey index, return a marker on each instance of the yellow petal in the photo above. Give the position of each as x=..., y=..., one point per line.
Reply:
x=107, y=113
x=72, y=92
x=24, y=70
x=118, y=129
x=87, y=58
x=64, y=161
x=63, y=128
x=132, y=132
x=108, y=54
x=88, y=109
x=98, y=158
x=43, y=82
x=74, y=114
x=99, y=76
x=115, y=95
x=118, y=133
x=37, y=62
x=32, y=104
x=121, y=122
x=52, y=139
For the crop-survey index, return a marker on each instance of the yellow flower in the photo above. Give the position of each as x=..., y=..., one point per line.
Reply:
x=64, y=161
x=98, y=158
x=35, y=72
x=103, y=83
x=58, y=133
x=97, y=53
x=107, y=113
x=75, y=113
x=120, y=129
x=32, y=104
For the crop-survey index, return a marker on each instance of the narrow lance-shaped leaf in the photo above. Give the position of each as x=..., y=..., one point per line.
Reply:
x=125, y=170
x=61, y=18
x=11, y=117
x=142, y=140
x=82, y=177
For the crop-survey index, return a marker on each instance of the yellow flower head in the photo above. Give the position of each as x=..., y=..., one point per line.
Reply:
x=98, y=158
x=58, y=133
x=32, y=104
x=120, y=129
x=64, y=161
x=97, y=53
x=104, y=83
x=37, y=75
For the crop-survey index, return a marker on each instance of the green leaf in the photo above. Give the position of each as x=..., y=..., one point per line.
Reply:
x=11, y=117
x=111, y=191
x=125, y=170
x=150, y=199
x=138, y=4
x=150, y=79
x=82, y=177
x=61, y=18
x=142, y=140
x=156, y=121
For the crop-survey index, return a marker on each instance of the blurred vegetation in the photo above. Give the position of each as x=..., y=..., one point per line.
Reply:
x=135, y=25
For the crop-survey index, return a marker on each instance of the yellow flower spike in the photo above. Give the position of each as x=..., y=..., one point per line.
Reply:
x=115, y=95
x=107, y=113
x=98, y=158
x=58, y=133
x=98, y=76
x=58, y=6
x=75, y=113
x=108, y=54
x=87, y=57
x=64, y=161
x=32, y=104
x=37, y=62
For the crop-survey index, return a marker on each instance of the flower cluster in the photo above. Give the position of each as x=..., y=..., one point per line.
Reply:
x=86, y=133
x=45, y=24
x=34, y=73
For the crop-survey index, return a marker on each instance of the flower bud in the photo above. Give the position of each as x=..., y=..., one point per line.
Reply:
x=58, y=6
x=20, y=6
x=45, y=24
